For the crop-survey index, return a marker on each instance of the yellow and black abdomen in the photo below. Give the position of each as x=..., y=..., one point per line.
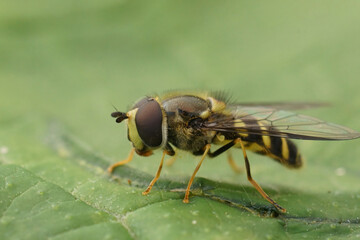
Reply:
x=280, y=149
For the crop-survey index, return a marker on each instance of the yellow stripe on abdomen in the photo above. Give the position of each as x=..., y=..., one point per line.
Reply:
x=284, y=149
x=267, y=141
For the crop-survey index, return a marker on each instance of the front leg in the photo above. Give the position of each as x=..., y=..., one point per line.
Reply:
x=127, y=160
x=206, y=150
x=167, y=150
x=156, y=176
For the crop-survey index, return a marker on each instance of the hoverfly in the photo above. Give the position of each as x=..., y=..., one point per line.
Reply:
x=194, y=122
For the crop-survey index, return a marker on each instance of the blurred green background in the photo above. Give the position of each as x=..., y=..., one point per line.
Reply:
x=68, y=62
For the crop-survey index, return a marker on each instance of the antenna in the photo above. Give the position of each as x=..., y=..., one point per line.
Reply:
x=120, y=116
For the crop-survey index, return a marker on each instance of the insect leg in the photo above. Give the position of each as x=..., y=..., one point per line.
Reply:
x=253, y=182
x=127, y=160
x=170, y=151
x=221, y=149
x=230, y=159
x=232, y=163
x=186, y=198
x=156, y=176
x=171, y=161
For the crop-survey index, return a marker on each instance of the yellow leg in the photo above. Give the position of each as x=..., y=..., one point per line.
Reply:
x=115, y=165
x=232, y=163
x=171, y=161
x=156, y=176
x=186, y=198
x=254, y=183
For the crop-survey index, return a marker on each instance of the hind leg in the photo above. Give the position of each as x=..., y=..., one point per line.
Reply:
x=253, y=182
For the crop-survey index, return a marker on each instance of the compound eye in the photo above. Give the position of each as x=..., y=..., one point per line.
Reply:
x=148, y=121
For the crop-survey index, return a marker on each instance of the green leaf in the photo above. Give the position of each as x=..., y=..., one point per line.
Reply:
x=33, y=208
x=63, y=65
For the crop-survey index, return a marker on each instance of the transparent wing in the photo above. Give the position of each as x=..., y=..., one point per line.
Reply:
x=273, y=122
x=282, y=105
